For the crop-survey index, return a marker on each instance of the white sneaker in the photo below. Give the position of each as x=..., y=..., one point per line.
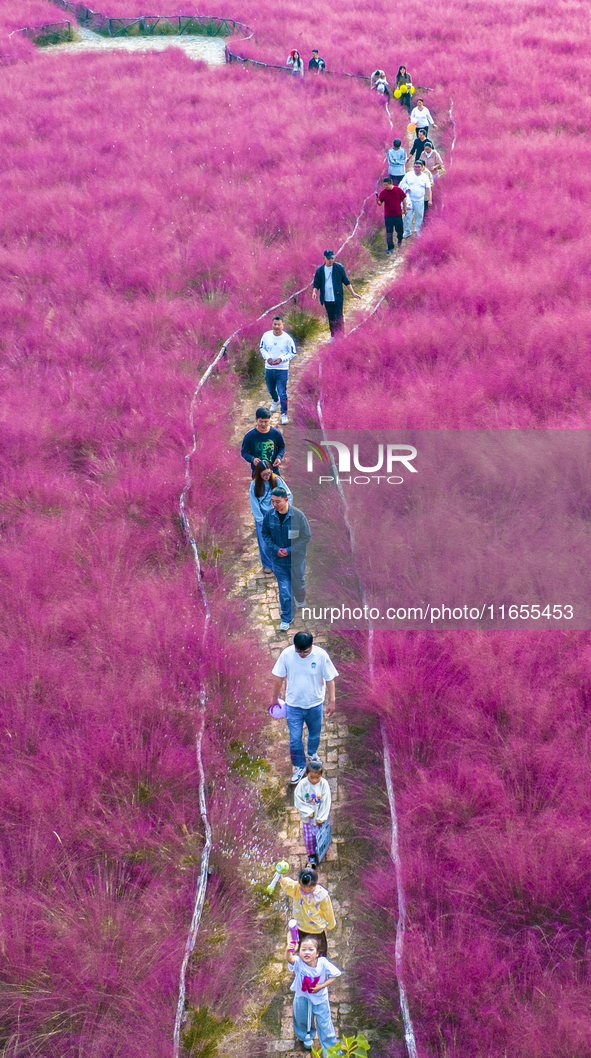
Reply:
x=284, y=418
x=284, y=626
x=273, y=405
x=315, y=759
x=298, y=773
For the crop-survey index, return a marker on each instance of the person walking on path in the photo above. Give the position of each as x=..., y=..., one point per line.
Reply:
x=295, y=61
x=264, y=442
x=418, y=185
x=316, y=64
x=313, y=974
x=393, y=200
x=432, y=159
x=404, y=78
x=397, y=159
x=312, y=798
x=285, y=535
x=261, y=486
x=379, y=81
x=329, y=280
x=277, y=349
x=418, y=145
x=312, y=907
x=310, y=673
x=421, y=117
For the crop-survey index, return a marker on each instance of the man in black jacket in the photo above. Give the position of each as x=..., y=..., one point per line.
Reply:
x=329, y=280
x=316, y=64
x=286, y=533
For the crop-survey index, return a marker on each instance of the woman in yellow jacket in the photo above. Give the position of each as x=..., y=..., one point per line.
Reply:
x=312, y=908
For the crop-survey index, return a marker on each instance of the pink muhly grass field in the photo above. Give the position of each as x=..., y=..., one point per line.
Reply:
x=139, y=230
x=490, y=757
x=488, y=327
x=15, y=16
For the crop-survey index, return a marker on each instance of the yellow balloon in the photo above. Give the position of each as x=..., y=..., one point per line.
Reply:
x=403, y=88
x=397, y=93
x=412, y=89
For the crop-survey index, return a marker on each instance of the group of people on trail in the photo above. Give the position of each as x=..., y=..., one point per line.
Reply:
x=282, y=530
x=296, y=64
x=403, y=89
x=408, y=188
x=309, y=677
x=304, y=674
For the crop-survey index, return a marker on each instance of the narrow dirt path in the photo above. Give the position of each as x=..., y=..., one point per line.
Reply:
x=268, y=1011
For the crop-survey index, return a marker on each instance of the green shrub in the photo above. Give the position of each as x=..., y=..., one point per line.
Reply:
x=245, y=763
x=375, y=242
x=249, y=366
x=302, y=325
x=348, y=1047
x=57, y=36
x=203, y=1037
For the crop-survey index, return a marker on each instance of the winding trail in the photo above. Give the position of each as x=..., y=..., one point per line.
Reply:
x=338, y=871
x=261, y=591
x=268, y=1012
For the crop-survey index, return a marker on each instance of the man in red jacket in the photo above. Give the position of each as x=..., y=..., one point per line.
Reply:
x=394, y=203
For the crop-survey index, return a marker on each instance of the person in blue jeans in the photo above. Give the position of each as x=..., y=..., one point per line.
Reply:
x=285, y=535
x=261, y=487
x=313, y=974
x=277, y=348
x=310, y=674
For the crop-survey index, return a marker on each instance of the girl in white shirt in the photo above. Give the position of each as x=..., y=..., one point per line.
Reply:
x=313, y=975
x=296, y=62
x=261, y=486
x=312, y=798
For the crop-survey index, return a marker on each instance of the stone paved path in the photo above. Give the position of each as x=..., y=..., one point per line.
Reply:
x=250, y=582
x=339, y=870
x=211, y=50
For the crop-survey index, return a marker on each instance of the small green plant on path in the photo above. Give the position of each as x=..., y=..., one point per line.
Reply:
x=302, y=325
x=249, y=366
x=348, y=1047
x=203, y=1037
x=245, y=763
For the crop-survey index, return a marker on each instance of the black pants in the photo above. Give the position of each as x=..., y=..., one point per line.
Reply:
x=395, y=179
x=391, y=224
x=334, y=311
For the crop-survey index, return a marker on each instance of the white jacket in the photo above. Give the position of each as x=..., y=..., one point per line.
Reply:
x=313, y=800
x=421, y=118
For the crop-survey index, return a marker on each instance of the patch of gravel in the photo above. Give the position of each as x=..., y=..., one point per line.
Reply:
x=205, y=49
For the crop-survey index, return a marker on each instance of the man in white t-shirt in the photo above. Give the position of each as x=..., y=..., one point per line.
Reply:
x=309, y=673
x=277, y=349
x=417, y=184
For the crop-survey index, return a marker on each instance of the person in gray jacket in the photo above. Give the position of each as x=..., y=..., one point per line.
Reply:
x=261, y=487
x=286, y=534
x=397, y=159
